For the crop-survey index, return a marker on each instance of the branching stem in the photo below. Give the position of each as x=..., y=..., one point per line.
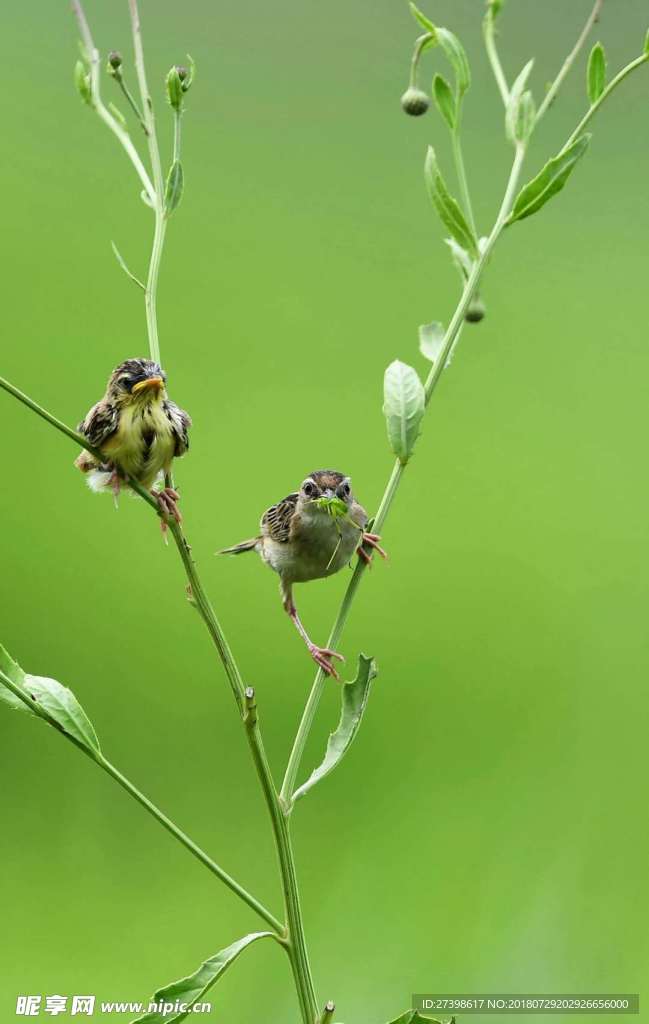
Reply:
x=570, y=60
x=470, y=288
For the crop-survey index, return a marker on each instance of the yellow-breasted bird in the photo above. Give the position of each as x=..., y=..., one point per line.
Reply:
x=311, y=534
x=138, y=429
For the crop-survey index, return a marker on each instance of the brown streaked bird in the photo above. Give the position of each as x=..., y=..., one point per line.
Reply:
x=301, y=540
x=138, y=429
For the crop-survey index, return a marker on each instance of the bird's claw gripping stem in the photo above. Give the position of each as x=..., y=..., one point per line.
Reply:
x=322, y=657
x=372, y=541
x=167, y=500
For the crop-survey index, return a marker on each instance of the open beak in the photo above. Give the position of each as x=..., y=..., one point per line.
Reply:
x=148, y=382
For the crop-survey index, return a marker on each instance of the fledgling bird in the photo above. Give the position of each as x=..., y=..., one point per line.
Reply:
x=301, y=540
x=138, y=429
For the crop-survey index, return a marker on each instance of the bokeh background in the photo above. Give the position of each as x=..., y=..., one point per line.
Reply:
x=488, y=831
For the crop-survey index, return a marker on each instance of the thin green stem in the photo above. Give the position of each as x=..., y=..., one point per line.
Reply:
x=470, y=289
x=151, y=292
x=460, y=170
x=119, y=78
x=177, y=133
x=73, y=435
x=116, y=128
x=612, y=85
x=99, y=759
x=570, y=60
x=420, y=45
x=197, y=596
x=296, y=941
x=489, y=33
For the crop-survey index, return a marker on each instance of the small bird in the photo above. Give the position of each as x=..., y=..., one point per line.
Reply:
x=310, y=534
x=138, y=430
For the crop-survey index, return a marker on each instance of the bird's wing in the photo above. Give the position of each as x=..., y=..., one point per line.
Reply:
x=276, y=521
x=100, y=423
x=180, y=423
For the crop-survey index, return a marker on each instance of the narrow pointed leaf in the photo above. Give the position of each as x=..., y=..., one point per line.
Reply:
x=354, y=701
x=174, y=187
x=124, y=266
x=118, y=115
x=404, y=405
x=431, y=340
x=461, y=258
x=425, y=22
x=596, y=74
x=189, y=990
x=14, y=672
x=513, y=126
x=55, y=703
x=457, y=58
x=447, y=207
x=548, y=182
x=444, y=100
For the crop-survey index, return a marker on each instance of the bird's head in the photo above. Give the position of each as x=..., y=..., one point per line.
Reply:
x=325, y=490
x=136, y=381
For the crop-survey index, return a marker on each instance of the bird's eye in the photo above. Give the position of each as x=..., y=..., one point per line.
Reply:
x=309, y=488
x=125, y=381
x=347, y=490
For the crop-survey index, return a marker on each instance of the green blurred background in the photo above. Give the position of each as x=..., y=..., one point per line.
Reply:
x=489, y=829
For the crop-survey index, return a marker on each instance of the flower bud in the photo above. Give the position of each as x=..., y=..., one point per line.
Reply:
x=82, y=82
x=114, y=61
x=415, y=101
x=175, y=88
x=476, y=311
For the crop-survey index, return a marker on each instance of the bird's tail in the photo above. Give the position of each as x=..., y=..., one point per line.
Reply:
x=238, y=549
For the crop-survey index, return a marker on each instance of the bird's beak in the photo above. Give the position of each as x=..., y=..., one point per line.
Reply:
x=148, y=382
x=328, y=493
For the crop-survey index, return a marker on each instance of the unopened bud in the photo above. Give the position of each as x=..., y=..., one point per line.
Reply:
x=174, y=89
x=476, y=311
x=114, y=61
x=82, y=82
x=415, y=101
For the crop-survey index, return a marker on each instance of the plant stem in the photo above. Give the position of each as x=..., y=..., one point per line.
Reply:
x=569, y=61
x=489, y=33
x=73, y=435
x=166, y=822
x=420, y=46
x=296, y=942
x=460, y=170
x=131, y=102
x=105, y=115
x=150, y=295
x=470, y=288
x=98, y=758
x=612, y=85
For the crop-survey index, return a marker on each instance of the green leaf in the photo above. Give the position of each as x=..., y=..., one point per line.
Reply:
x=174, y=187
x=447, y=208
x=548, y=182
x=596, y=74
x=425, y=22
x=82, y=82
x=514, y=122
x=354, y=697
x=48, y=699
x=9, y=667
x=404, y=405
x=118, y=115
x=445, y=100
x=431, y=340
x=189, y=990
x=124, y=266
x=174, y=89
x=461, y=258
x=457, y=57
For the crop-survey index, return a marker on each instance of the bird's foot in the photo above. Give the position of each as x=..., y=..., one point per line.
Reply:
x=322, y=657
x=115, y=484
x=372, y=541
x=167, y=500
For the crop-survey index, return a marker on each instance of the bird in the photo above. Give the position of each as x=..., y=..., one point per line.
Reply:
x=310, y=534
x=138, y=430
